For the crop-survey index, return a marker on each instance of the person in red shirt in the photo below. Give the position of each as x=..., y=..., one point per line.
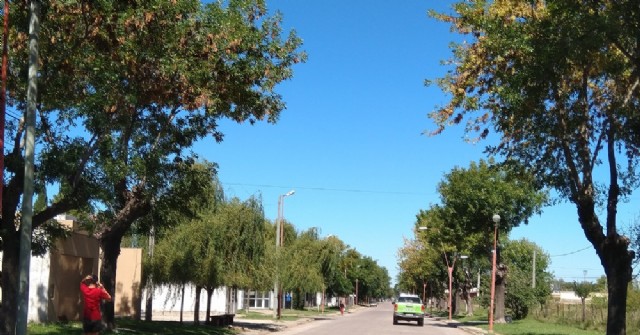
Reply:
x=93, y=293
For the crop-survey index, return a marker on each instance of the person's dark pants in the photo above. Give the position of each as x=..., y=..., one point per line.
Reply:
x=91, y=326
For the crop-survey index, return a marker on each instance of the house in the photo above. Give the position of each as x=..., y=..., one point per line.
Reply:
x=54, y=278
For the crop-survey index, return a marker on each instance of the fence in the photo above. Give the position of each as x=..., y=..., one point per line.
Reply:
x=595, y=314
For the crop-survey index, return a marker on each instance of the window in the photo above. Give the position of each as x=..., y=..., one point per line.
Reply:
x=258, y=299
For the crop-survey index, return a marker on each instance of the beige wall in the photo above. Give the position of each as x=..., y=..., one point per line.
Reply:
x=129, y=276
x=71, y=260
x=77, y=256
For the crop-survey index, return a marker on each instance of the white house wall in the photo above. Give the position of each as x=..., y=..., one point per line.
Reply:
x=39, y=289
x=167, y=300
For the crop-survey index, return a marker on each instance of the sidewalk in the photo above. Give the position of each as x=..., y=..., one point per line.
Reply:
x=457, y=324
x=264, y=326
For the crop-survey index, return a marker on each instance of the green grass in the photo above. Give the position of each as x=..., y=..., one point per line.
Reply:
x=286, y=314
x=528, y=326
x=132, y=327
x=128, y=326
x=534, y=327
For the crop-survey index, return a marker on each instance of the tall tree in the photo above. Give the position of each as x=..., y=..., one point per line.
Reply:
x=126, y=88
x=559, y=82
x=529, y=281
x=470, y=197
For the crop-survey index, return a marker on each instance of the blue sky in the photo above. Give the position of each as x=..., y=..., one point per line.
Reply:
x=350, y=142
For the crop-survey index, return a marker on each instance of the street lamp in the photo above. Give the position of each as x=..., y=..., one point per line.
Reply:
x=279, y=241
x=496, y=221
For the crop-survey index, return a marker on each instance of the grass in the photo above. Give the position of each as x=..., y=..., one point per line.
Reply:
x=527, y=326
x=126, y=326
x=534, y=327
x=286, y=314
x=479, y=319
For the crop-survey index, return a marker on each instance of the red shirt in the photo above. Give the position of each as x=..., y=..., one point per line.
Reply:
x=92, y=297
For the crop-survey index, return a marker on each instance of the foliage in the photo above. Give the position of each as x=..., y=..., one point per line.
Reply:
x=462, y=225
x=521, y=295
x=310, y=264
x=557, y=81
x=125, y=89
x=223, y=247
x=583, y=290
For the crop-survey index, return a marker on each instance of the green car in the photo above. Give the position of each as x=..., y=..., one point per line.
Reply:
x=408, y=307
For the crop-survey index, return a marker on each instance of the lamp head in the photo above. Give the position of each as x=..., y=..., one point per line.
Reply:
x=496, y=218
x=290, y=193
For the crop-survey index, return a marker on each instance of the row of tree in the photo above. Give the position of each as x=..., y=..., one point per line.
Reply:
x=231, y=243
x=460, y=231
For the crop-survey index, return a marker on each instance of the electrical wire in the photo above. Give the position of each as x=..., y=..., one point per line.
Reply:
x=572, y=252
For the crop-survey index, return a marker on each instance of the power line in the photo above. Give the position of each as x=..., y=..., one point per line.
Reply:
x=572, y=252
x=329, y=189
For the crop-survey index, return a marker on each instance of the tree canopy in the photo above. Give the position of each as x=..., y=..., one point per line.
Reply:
x=125, y=89
x=558, y=82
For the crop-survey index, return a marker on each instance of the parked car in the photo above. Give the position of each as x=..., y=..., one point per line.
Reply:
x=408, y=307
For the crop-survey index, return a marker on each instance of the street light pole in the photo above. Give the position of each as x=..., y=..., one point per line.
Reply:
x=496, y=221
x=450, y=268
x=277, y=290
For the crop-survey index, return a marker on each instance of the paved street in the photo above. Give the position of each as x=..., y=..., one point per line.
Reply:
x=362, y=321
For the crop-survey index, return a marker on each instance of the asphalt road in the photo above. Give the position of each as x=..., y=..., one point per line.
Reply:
x=371, y=321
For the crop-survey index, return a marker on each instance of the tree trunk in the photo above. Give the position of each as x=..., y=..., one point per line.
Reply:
x=209, y=294
x=454, y=302
x=110, y=251
x=182, y=303
x=618, y=270
x=196, y=308
x=10, y=254
x=148, y=312
x=584, y=309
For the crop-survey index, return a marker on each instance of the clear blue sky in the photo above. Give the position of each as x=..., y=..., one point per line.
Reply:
x=350, y=141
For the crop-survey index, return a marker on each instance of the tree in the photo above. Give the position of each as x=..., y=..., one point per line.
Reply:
x=558, y=82
x=222, y=246
x=419, y=267
x=241, y=241
x=583, y=290
x=332, y=251
x=127, y=87
x=526, y=287
x=146, y=80
x=470, y=197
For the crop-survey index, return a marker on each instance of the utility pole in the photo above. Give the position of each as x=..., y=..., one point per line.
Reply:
x=277, y=290
x=27, y=196
x=533, y=275
x=3, y=94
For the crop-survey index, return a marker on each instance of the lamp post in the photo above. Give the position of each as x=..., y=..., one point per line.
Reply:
x=279, y=241
x=496, y=221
